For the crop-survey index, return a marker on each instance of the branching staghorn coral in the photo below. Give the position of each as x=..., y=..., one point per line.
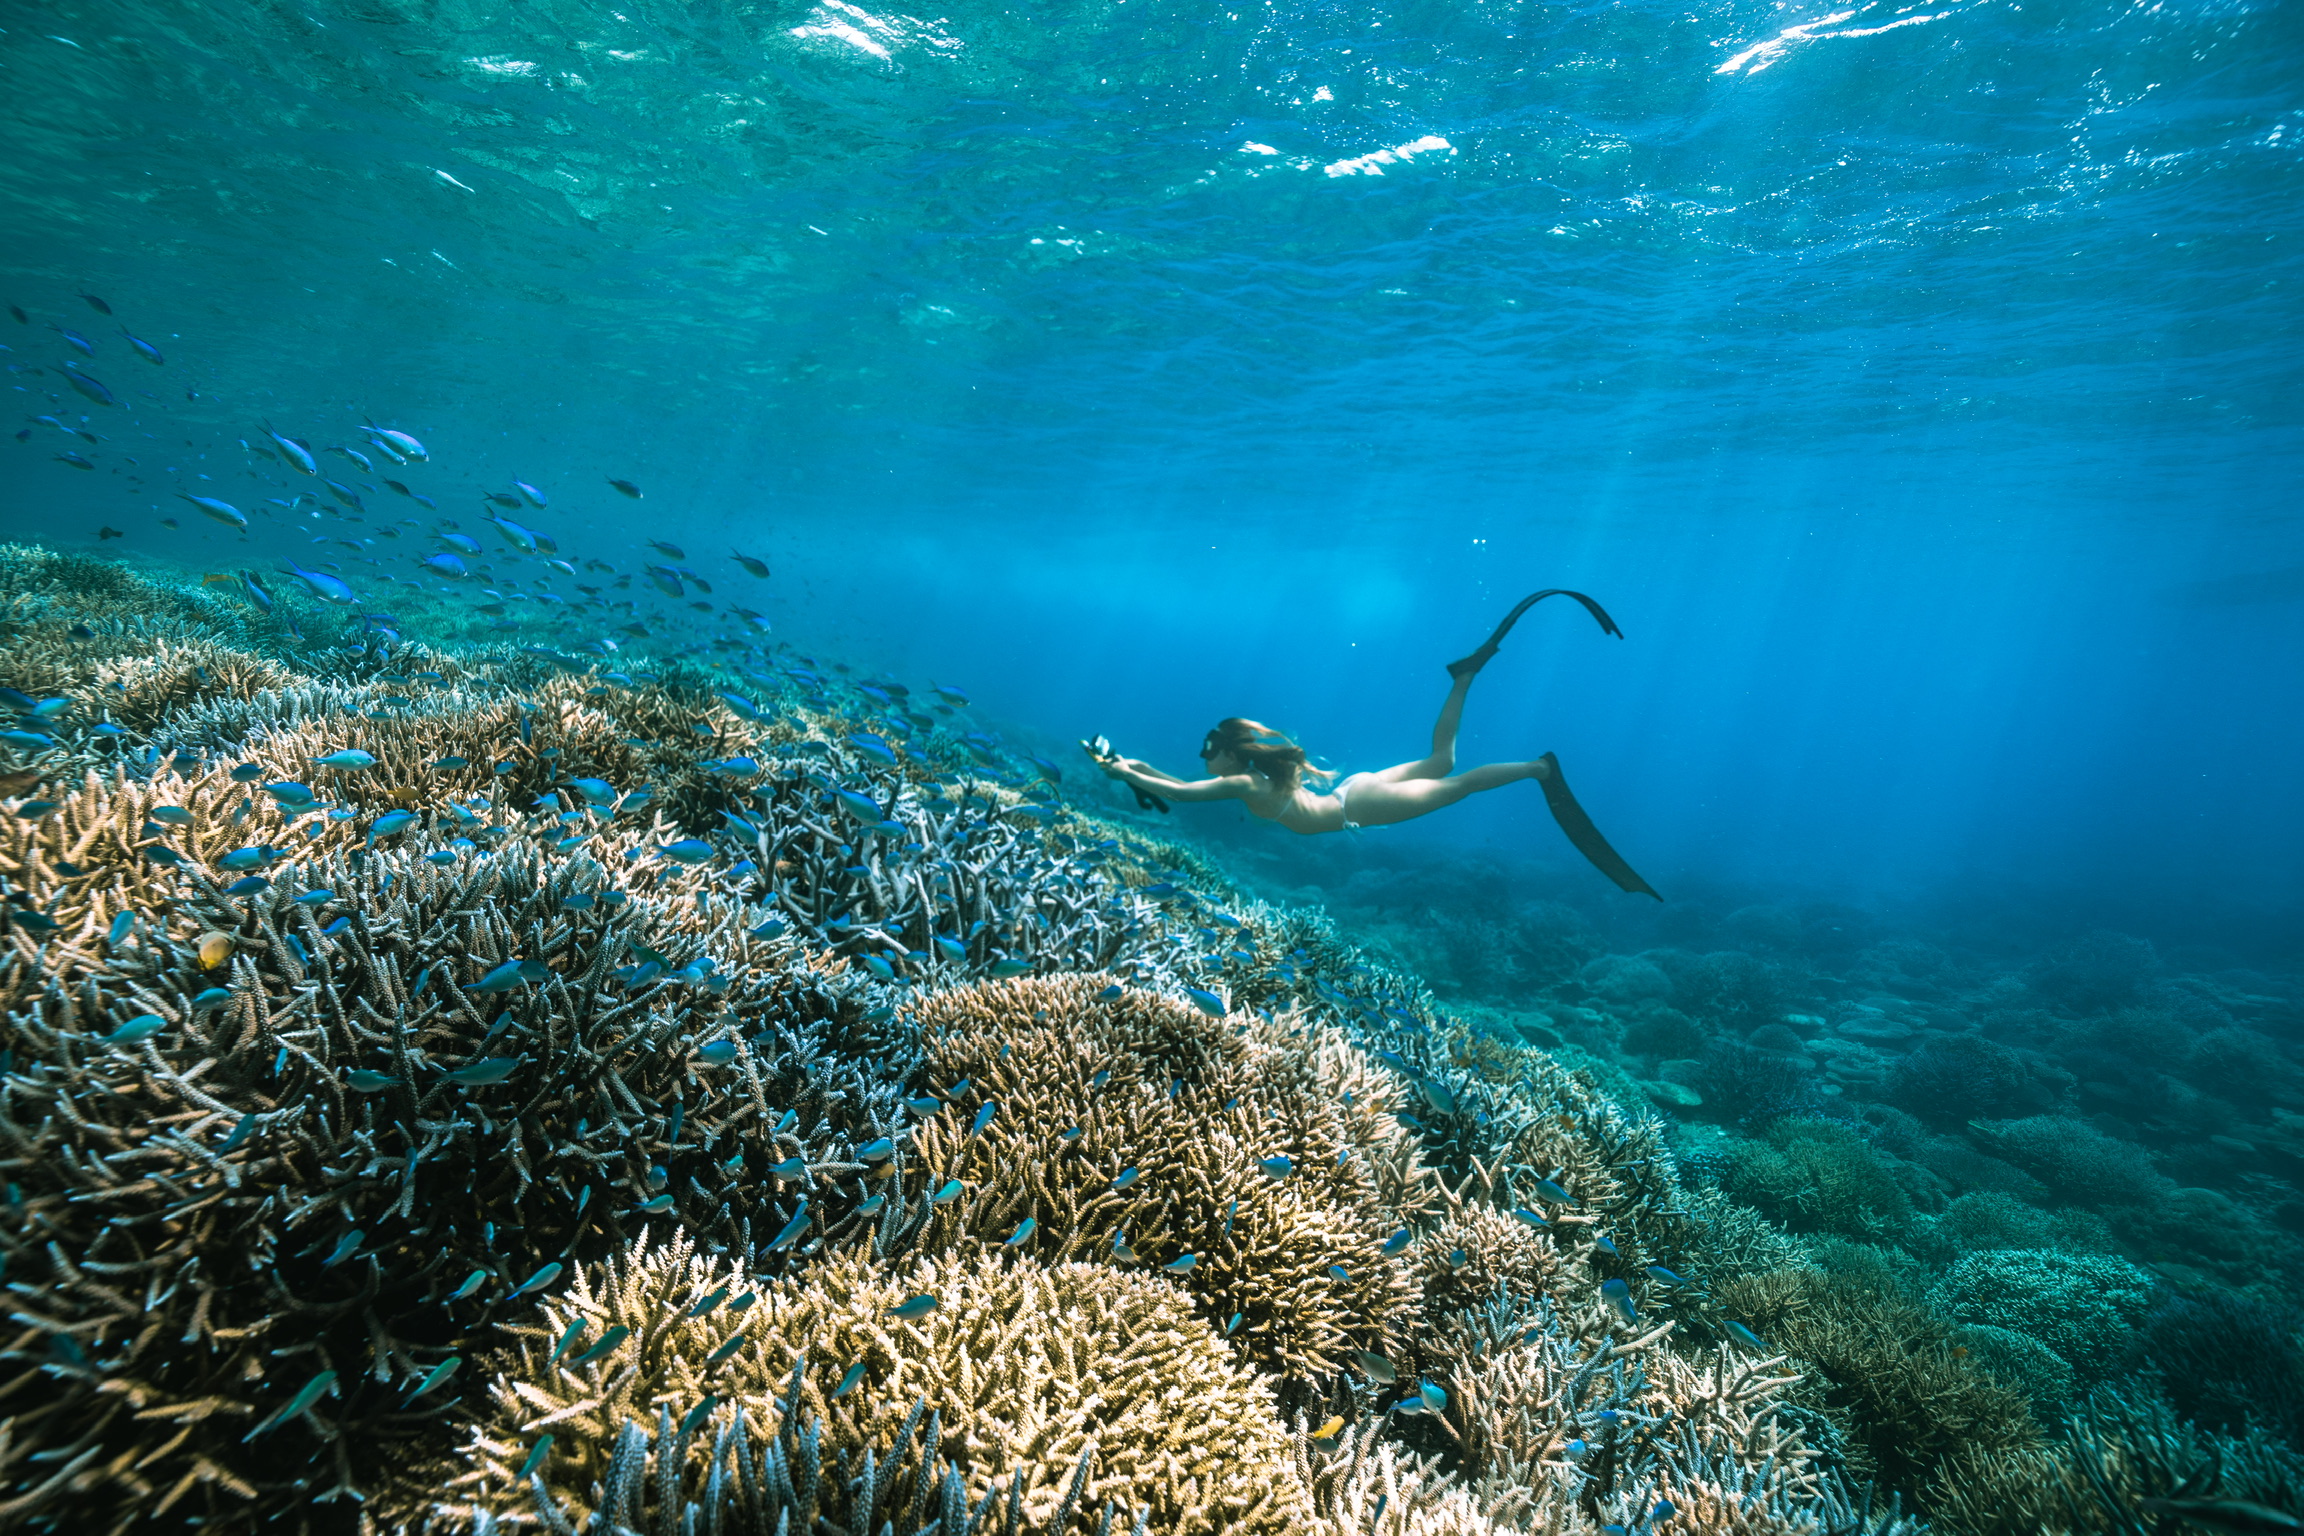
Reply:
x=1889, y=1366
x=2118, y=1453
x=408, y=1100
x=1065, y=1390
x=1136, y=1130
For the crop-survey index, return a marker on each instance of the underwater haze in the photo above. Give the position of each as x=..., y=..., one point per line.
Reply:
x=1917, y=385
x=562, y=967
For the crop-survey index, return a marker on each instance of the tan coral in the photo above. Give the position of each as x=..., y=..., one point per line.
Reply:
x=1028, y=1367
x=1193, y=1109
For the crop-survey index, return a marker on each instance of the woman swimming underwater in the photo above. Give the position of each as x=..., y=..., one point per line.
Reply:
x=1272, y=776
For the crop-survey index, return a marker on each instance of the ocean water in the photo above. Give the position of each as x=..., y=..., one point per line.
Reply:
x=1921, y=387
x=1917, y=386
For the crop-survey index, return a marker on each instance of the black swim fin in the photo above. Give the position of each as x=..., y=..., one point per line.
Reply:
x=1479, y=658
x=1583, y=834
x=1148, y=801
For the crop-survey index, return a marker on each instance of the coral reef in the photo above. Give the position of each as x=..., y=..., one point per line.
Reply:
x=1064, y=1387
x=2085, y=1307
x=2121, y=1451
x=1818, y=1175
x=618, y=1099
x=437, y=1095
x=2228, y=1361
x=1907, y=1389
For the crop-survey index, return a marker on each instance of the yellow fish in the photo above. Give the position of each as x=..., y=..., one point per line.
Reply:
x=215, y=949
x=219, y=579
x=1328, y=1430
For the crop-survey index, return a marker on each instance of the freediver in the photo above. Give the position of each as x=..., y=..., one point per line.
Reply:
x=1275, y=779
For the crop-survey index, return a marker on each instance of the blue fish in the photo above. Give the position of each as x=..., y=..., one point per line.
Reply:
x=349, y=757
x=437, y=1375
x=951, y=1191
x=524, y=538
x=462, y=542
x=445, y=565
x=1435, y=1399
x=792, y=1230
x=399, y=442
x=144, y=349
x=390, y=824
x=594, y=791
x=502, y=979
x=983, y=1118
x=877, y=1151
x=310, y=1393
x=1618, y=1295
x=538, y=1280
x=1743, y=1335
x=1663, y=1276
x=142, y=1027
x=616, y=1335
x=1530, y=1217
x=862, y=807
x=1007, y=969
x=1183, y=1265
x=848, y=1380
x=1554, y=1192
x=918, y=1306
x=1277, y=1167
x=472, y=1282
x=1126, y=1177
x=718, y=1052
x=221, y=511
x=94, y=389
x=689, y=850
x=122, y=926
x=327, y=588
x=298, y=456
x=1397, y=1242
x=1207, y=1002
x=346, y=1246
x=484, y=1073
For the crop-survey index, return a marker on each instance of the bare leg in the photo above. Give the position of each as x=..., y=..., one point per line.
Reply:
x=1382, y=802
x=1442, y=762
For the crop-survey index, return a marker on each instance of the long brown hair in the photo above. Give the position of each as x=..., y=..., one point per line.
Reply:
x=1280, y=761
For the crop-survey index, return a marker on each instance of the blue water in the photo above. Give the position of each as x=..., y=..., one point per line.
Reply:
x=1918, y=386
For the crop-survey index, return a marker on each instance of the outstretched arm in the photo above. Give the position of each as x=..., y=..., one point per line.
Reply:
x=1144, y=776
